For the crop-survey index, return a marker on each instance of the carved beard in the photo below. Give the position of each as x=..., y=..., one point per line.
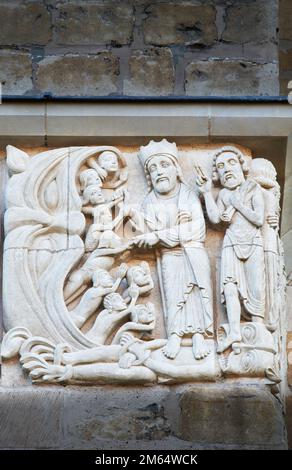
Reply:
x=163, y=186
x=232, y=182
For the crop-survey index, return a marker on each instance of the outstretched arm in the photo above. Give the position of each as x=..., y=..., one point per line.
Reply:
x=213, y=209
x=134, y=294
x=204, y=185
x=93, y=164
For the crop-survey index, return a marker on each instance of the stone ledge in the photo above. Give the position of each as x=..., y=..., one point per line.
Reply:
x=182, y=417
x=59, y=124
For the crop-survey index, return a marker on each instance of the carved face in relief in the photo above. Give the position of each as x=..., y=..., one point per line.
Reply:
x=88, y=178
x=114, y=302
x=229, y=170
x=105, y=279
x=139, y=276
x=143, y=313
x=93, y=195
x=163, y=173
x=108, y=161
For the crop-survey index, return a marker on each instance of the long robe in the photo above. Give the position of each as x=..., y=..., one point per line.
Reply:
x=183, y=263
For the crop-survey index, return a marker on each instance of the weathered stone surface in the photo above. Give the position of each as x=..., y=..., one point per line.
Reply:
x=87, y=23
x=286, y=60
x=236, y=415
x=285, y=19
x=151, y=73
x=140, y=418
x=180, y=23
x=15, y=72
x=231, y=78
x=30, y=418
x=78, y=74
x=289, y=351
x=138, y=414
x=251, y=22
x=25, y=23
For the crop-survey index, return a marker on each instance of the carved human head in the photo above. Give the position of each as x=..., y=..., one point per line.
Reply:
x=263, y=172
x=138, y=275
x=229, y=167
x=160, y=163
x=114, y=302
x=143, y=313
x=93, y=195
x=108, y=161
x=89, y=177
x=101, y=277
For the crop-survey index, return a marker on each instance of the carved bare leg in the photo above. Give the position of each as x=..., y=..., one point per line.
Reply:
x=233, y=312
x=98, y=354
x=200, y=346
x=172, y=346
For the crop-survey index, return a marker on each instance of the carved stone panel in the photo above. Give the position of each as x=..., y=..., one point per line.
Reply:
x=143, y=265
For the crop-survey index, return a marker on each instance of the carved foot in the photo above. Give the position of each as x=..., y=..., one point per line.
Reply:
x=41, y=371
x=200, y=346
x=172, y=347
x=227, y=342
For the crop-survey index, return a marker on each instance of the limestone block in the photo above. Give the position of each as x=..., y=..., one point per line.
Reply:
x=180, y=23
x=30, y=418
x=24, y=23
x=135, y=414
x=236, y=415
x=87, y=23
x=151, y=73
x=251, y=22
x=285, y=18
x=15, y=72
x=230, y=78
x=286, y=60
x=79, y=75
x=136, y=418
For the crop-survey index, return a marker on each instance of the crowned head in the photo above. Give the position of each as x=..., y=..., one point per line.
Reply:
x=161, y=166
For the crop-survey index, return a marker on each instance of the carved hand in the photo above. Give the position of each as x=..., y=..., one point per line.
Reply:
x=203, y=182
x=226, y=216
x=134, y=291
x=122, y=270
x=204, y=186
x=126, y=360
x=273, y=220
x=102, y=173
x=236, y=200
x=118, y=194
x=145, y=241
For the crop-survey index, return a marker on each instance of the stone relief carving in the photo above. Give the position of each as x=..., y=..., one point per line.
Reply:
x=85, y=261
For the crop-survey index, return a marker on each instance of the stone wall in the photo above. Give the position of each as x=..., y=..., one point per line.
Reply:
x=140, y=47
x=285, y=36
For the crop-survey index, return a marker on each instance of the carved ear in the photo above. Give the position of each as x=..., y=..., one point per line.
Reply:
x=17, y=160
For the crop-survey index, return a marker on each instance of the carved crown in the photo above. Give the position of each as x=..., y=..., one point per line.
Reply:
x=157, y=148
